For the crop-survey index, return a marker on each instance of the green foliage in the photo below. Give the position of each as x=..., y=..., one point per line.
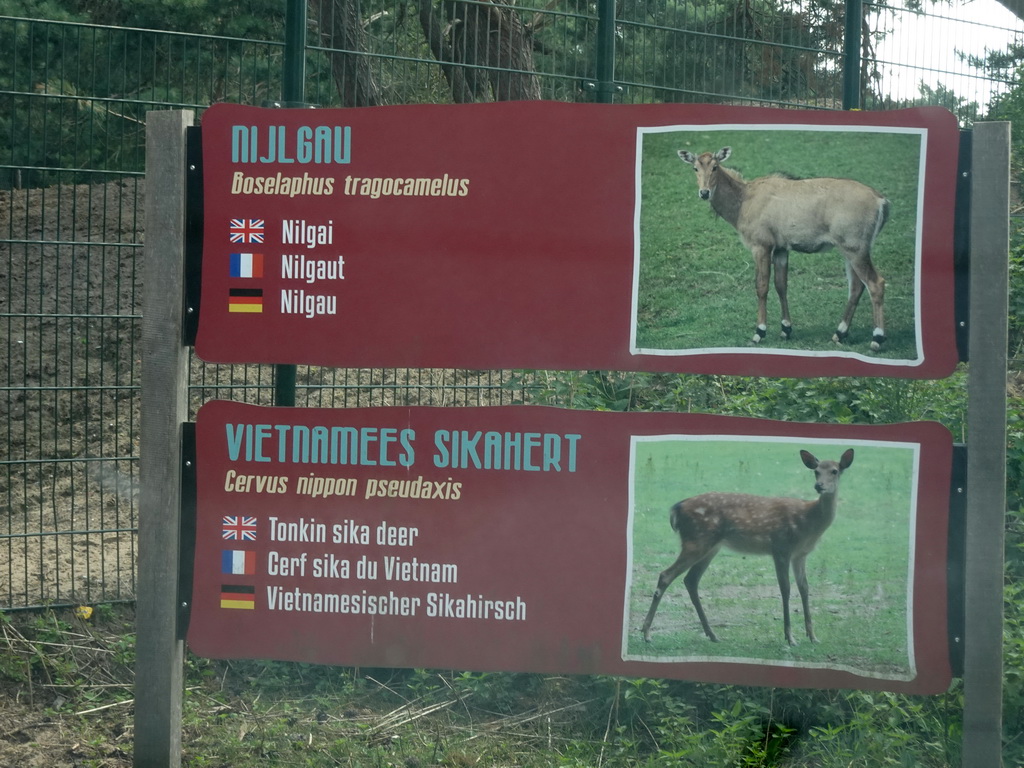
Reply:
x=703, y=51
x=1013, y=644
x=816, y=400
x=80, y=91
x=966, y=111
x=260, y=19
x=1009, y=106
x=263, y=713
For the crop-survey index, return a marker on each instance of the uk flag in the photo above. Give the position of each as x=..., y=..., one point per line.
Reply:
x=246, y=230
x=238, y=528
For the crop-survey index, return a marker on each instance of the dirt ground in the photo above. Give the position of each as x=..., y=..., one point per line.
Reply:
x=73, y=300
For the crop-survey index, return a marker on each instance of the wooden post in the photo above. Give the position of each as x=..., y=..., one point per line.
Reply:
x=986, y=445
x=159, y=649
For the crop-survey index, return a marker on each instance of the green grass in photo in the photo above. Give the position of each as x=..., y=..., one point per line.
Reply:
x=858, y=573
x=696, y=278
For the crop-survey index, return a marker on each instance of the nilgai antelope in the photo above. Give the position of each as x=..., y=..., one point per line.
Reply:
x=777, y=214
x=786, y=529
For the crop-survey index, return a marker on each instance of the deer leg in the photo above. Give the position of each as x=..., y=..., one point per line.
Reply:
x=682, y=563
x=781, y=262
x=800, y=571
x=782, y=574
x=856, y=288
x=876, y=288
x=692, y=581
x=762, y=272
x=860, y=272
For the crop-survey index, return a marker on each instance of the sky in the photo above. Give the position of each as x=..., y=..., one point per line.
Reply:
x=927, y=43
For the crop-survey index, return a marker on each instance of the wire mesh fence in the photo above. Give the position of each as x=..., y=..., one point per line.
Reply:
x=74, y=101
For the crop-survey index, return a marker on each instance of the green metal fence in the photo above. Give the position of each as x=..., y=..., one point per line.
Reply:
x=74, y=99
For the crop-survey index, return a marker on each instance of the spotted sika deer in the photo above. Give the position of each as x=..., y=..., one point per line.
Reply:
x=777, y=214
x=787, y=529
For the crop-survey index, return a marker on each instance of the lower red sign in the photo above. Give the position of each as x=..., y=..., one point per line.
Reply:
x=533, y=539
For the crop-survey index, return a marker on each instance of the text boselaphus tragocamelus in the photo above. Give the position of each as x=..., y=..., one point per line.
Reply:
x=778, y=214
x=787, y=529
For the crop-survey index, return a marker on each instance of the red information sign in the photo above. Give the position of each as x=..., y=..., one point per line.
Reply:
x=531, y=539
x=572, y=236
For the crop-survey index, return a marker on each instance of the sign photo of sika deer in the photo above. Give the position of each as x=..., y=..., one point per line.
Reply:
x=746, y=549
x=802, y=241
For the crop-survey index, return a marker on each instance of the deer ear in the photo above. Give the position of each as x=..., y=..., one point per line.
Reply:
x=723, y=153
x=809, y=461
x=687, y=157
x=847, y=459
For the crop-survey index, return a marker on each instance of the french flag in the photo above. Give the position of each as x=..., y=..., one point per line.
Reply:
x=246, y=265
x=239, y=562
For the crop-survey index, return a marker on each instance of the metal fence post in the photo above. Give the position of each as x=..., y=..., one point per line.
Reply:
x=605, y=57
x=293, y=92
x=986, y=444
x=851, y=53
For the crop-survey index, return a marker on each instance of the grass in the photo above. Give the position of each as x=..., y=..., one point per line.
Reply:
x=858, y=573
x=66, y=699
x=695, y=285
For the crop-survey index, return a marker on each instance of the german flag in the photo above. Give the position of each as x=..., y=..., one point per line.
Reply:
x=237, y=596
x=245, y=300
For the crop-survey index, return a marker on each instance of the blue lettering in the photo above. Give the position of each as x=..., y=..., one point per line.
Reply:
x=321, y=144
x=282, y=149
x=320, y=449
x=552, y=452
x=468, y=452
x=572, y=450
x=262, y=434
x=531, y=441
x=387, y=437
x=282, y=441
x=303, y=148
x=442, y=458
x=367, y=435
x=243, y=143
x=300, y=444
x=409, y=456
x=234, y=435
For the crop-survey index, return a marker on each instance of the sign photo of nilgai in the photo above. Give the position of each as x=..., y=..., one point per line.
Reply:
x=432, y=537
x=622, y=264
x=846, y=214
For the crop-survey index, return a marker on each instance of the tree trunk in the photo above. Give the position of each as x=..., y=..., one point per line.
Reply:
x=485, y=51
x=491, y=35
x=463, y=83
x=341, y=30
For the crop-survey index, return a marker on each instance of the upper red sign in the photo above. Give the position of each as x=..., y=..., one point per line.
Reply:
x=577, y=236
